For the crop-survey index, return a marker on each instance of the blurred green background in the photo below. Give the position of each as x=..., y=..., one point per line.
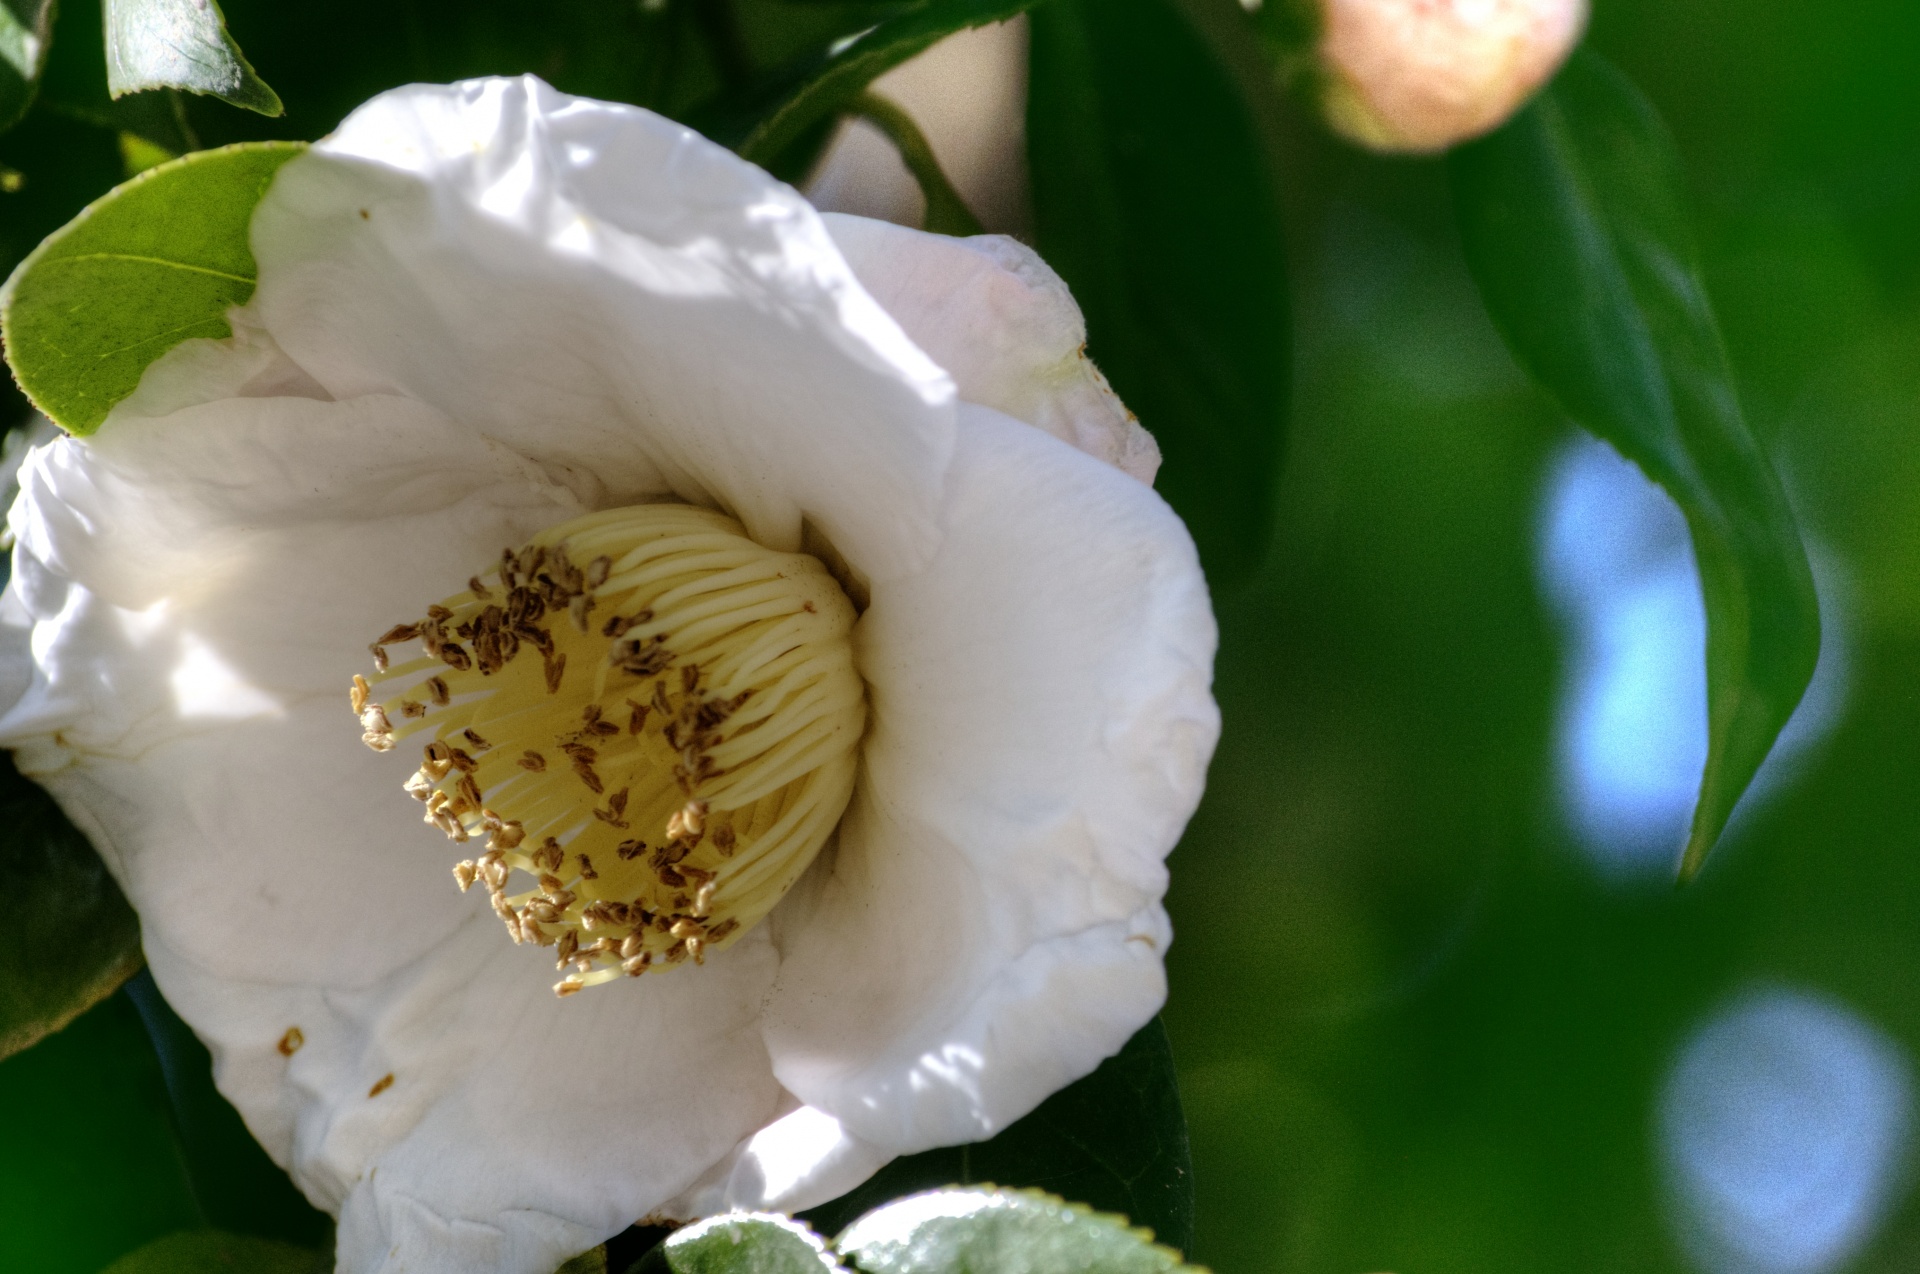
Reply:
x=1422, y=1026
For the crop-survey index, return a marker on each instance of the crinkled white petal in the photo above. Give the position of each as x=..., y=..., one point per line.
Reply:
x=1004, y=325
x=612, y=293
x=991, y=927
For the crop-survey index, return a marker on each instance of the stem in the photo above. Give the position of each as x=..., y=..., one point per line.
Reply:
x=947, y=213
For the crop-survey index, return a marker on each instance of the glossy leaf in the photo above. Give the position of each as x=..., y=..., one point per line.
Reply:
x=741, y=1243
x=180, y=44
x=26, y=30
x=213, y=1252
x=1115, y=1140
x=1155, y=195
x=154, y=262
x=1575, y=225
x=1005, y=1231
x=56, y=887
x=832, y=84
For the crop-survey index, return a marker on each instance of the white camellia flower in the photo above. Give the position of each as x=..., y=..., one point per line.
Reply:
x=772, y=608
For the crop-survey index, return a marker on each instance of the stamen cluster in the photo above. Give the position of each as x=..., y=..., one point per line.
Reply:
x=662, y=739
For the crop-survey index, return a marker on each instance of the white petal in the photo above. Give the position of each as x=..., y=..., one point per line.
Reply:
x=998, y=318
x=991, y=927
x=608, y=291
x=517, y=1128
x=803, y=1158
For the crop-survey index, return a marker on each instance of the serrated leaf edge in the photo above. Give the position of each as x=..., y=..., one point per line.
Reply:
x=829, y=1262
x=989, y=1192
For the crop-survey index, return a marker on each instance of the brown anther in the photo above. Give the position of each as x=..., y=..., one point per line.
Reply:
x=379, y=657
x=361, y=692
x=408, y=708
x=630, y=850
x=495, y=874
x=586, y=868
x=551, y=883
x=568, y=986
x=470, y=790
x=533, y=761
x=689, y=678
x=437, y=691
x=723, y=840
x=478, y=589
x=597, y=915
x=454, y=656
x=464, y=874
x=462, y=761
x=668, y=876
x=598, y=570
x=638, y=965
x=569, y=947
x=577, y=611
x=556, y=669
x=637, y=718
x=722, y=930
x=439, y=612
x=697, y=948
x=291, y=1042
x=563, y=899
x=399, y=632
x=479, y=744
x=585, y=770
x=509, y=835
x=632, y=945
x=549, y=855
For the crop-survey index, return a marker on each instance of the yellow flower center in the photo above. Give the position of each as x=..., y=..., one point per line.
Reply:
x=649, y=717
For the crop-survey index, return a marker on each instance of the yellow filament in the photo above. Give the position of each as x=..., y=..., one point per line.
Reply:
x=649, y=717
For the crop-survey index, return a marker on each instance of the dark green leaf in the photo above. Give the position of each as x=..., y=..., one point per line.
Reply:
x=830, y=86
x=180, y=44
x=1575, y=224
x=1116, y=1140
x=741, y=1243
x=155, y=262
x=986, y=1231
x=239, y=1188
x=1155, y=196
x=212, y=1252
x=56, y=887
x=26, y=29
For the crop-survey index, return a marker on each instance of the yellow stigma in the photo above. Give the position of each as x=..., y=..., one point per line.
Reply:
x=645, y=714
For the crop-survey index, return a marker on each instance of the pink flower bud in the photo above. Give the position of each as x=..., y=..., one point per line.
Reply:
x=1420, y=75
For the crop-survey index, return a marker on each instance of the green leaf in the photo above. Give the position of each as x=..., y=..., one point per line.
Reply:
x=213, y=1252
x=180, y=44
x=592, y=1261
x=152, y=263
x=831, y=85
x=741, y=1243
x=988, y=1231
x=26, y=30
x=56, y=887
x=1575, y=225
x=1154, y=150
x=1116, y=1140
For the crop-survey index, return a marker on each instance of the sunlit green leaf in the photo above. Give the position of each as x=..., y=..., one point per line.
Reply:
x=1575, y=225
x=155, y=262
x=988, y=1231
x=592, y=1261
x=1115, y=1140
x=1155, y=195
x=741, y=1243
x=180, y=44
x=832, y=85
x=213, y=1252
x=26, y=29
x=57, y=888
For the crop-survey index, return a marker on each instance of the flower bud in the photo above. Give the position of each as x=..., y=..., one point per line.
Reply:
x=1421, y=75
